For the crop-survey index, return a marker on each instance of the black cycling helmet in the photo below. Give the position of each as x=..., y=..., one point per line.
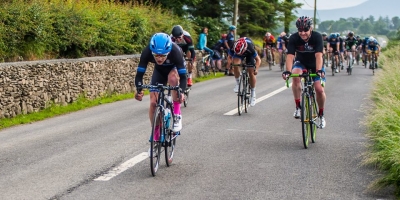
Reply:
x=177, y=31
x=304, y=22
x=324, y=34
x=351, y=33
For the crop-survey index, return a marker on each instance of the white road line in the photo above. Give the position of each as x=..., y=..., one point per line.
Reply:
x=234, y=111
x=124, y=166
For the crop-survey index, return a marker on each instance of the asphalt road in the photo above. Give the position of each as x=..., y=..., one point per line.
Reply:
x=100, y=153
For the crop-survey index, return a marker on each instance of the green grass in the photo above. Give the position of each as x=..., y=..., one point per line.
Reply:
x=80, y=104
x=383, y=122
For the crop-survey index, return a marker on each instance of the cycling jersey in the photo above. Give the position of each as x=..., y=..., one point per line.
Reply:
x=305, y=51
x=333, y=43
x=230, y=38
x=160, y=73
x=350, y=42
x=186, y=43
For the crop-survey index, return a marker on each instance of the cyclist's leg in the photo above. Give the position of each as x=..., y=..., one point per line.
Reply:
x=296, y=84
x=320, y=92
x=228, y=67
x=173, y=80
x=236, y=60
x=273, y=54
x=253, y=80
x=217, y=59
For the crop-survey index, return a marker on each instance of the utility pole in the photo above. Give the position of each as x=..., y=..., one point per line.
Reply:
x=315, y=14
x=235, y=15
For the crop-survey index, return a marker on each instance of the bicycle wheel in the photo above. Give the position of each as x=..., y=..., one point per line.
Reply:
x=283, y=60
x=241, y=95
x=246, y=91
x=170, y=141
x=305, y=119
x=155, y=145
x=269, y=58
x=212, y=66
x=333, y=65
x=314, y=119
x=186, y=96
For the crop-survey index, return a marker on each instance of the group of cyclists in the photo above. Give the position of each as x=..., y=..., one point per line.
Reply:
x=305, y=50
x=350, y=46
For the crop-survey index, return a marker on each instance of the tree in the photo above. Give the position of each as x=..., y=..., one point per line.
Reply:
x=287, y=8
x=396, y=22
x=366, y=28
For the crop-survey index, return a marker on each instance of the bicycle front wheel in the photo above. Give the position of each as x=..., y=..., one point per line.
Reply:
x=246, y=91
x=305, y=119
x=314, y=118
x=155, y=145
x=170, y=141
x=241, y=96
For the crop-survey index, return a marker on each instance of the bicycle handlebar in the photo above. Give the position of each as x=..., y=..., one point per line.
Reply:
x=299, y=75
x=160, y=86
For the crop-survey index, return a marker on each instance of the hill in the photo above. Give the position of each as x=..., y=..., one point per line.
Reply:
x=375, y=8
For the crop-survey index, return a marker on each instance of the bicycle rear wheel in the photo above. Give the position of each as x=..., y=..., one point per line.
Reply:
x=170, y=141
x=241, y=95
x=314, y=118
x=305, y=119
x=155, y=145
x=333, y=65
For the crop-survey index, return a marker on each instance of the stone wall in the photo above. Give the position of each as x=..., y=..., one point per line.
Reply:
x=27, y=87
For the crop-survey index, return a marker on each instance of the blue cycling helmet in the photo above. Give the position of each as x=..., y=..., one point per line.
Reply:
x=161, y=43
x=232, y=27
x=333, y=35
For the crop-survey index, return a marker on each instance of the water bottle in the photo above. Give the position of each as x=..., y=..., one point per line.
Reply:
x=167, y=117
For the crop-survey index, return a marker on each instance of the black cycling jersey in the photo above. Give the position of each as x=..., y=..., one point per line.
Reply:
x=230, y=38
x=350, y=42
x=186, y=44
x=305, y=51
x=174, y=59
x=332, y=43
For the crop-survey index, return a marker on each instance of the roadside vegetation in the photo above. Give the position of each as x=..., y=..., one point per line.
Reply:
x=383, y=121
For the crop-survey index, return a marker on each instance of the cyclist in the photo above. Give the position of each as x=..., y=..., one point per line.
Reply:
x=269, y=41
x=350, y=44
x=184, y=40
x=230, y=40
x=372, y=47
x=280, y=44
x=341, y=49
x=308, y=46
x=244, y=48
x=169, y=63
x=333, y=46
x=325, y=40
x=218, y=48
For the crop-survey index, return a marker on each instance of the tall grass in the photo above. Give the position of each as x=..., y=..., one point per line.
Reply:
x=383, y=121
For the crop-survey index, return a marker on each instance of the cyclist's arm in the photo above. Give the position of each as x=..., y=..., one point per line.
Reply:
x=141, y=69
x=258, y=62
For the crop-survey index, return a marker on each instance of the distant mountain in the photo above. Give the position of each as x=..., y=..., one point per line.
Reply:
x=375, y=8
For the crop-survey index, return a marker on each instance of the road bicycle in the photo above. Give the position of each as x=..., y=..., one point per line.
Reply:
x=283, y=59
x=269, y=60
x=244, y=89
x=350, y=62
x=309, y=107
x=163, y=117
x=374, y=64
x=207, y=65
x=333, y=63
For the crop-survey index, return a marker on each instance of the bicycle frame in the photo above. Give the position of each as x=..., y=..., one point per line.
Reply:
x=309, y=107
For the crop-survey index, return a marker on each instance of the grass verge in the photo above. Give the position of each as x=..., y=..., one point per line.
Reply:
x=383, y=122
x=80, y=104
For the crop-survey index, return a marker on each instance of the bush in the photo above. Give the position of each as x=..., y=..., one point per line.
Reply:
x=43, y=29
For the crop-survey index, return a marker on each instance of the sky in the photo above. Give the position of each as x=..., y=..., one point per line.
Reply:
x=329, y=4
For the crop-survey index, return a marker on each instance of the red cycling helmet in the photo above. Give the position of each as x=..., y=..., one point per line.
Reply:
x=223, y=36
x=240, y=46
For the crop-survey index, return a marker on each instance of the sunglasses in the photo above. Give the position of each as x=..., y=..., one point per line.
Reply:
x=160, y=55
x=303, y=30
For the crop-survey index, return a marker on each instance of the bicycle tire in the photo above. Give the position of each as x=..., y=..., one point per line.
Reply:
x=170, y=140
x=305, y=119
x=240, y=96
x=269, y=58
x=283, y=61
x=155, y=146
x=314, y=113
x=333, y=65
x=246, y=91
